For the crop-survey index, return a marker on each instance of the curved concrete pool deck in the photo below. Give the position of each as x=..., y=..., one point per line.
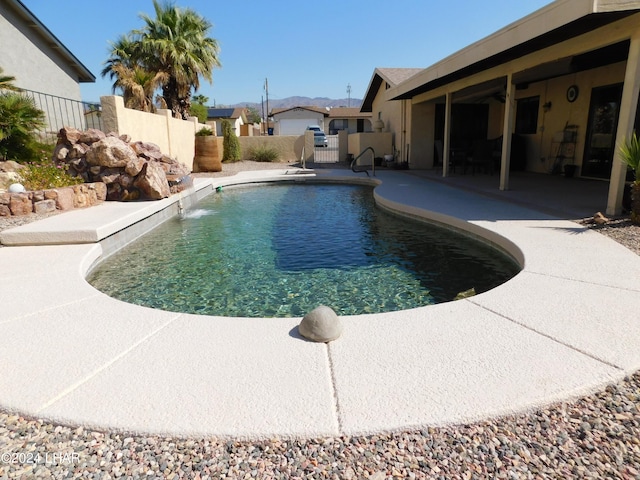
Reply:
x=566, y=325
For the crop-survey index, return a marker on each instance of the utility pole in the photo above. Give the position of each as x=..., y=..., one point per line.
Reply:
x=349, y=95
x=262, y=103
x=266, y=89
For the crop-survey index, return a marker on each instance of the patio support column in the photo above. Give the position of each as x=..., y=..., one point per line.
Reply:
x=507, y=128
x=626, y=120
x=446, y=148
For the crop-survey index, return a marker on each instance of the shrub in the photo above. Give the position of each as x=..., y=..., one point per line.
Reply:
x=204, y=132
x=44, y=173
x=263, y=153
x=230, y=143
x=19, y=118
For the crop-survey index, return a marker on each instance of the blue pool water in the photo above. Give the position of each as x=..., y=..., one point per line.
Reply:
x=281, y=250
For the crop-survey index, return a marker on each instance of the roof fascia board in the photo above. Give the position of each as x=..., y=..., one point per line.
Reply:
x=535, y=24
x=606, y=35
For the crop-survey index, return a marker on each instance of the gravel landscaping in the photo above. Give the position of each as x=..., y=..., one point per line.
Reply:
x=597, y=436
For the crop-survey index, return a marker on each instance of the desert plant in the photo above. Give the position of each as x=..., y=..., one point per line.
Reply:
x=230, y=143
x=43, y=173
x=19, y=119
x=204, y=132
x=630, y=154
x=263, y=153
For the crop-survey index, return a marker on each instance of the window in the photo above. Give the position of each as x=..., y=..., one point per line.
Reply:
x=527, y=115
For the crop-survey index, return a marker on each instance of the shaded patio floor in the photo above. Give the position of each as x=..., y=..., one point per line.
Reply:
x=569, y=198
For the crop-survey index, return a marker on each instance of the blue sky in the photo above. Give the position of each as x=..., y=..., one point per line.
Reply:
x=305, y=48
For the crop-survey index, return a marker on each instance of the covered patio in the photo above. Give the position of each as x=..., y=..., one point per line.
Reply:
x=571, y=71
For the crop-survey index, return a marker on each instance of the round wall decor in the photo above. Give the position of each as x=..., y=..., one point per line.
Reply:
x=572, y=93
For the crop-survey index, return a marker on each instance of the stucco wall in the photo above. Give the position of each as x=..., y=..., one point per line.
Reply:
x=36, y=65
x=175, y=137
x=382, y=144
x=289, y=147
x=541, y=150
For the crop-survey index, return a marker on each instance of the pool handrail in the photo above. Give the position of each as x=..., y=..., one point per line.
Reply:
x=373, y=162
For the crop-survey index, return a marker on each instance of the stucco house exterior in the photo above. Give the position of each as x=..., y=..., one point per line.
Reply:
x=42, y=65
x=237, y=117
x=32, y=53
x=349, y=119
x=376, y=102
x=295, y=120
x=560, y=86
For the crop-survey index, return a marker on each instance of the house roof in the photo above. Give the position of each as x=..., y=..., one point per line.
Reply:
x=557, y=22
x=392, y=76
x=348, y=112
x=230, y=113
x=323, y=110
x=82, y=72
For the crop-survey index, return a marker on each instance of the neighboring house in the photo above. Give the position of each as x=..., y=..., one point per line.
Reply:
x=559, y=86
x=236, y=116
x=295, y=120
x=41, y=63
x=391, y=114
x=350, y=119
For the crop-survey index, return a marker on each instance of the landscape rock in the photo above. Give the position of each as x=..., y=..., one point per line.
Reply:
x=44, y=206
x=134, y=167
x=91, y=135
x=20, y=204
x=147, y=150
x=321, y=324
x=114, y=160
x=152, y=182
x=69, y=135
x=110, y=152
x=10, y=166
x=64, y=198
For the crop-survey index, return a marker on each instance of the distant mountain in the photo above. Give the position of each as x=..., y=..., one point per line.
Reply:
x=291, y=102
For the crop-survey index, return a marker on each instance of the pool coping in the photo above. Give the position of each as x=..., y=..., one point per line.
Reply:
x=563, y=327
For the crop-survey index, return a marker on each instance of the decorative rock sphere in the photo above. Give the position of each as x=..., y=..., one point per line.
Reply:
x=321, y=324
x=16, y=188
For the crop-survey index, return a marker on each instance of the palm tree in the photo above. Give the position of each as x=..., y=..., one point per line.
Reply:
x=175, y=43
x=138, y=86
x=6, y=82
x=173, y=48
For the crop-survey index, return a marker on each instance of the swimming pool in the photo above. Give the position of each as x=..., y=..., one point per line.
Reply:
x=281, y=250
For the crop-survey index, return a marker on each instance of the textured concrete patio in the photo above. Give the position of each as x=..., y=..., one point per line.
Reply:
x=566, y=325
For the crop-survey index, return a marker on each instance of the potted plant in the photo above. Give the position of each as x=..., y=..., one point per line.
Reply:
x=208, y=157
x=630, y=154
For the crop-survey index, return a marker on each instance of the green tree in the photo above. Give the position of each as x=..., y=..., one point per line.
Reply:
x=200, y=111
x=230, y=143
x=173, y=47
x=253, y=116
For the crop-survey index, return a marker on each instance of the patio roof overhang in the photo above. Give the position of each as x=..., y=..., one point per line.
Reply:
x=554, y=24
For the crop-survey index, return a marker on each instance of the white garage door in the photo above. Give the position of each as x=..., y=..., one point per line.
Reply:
x=295, y=126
